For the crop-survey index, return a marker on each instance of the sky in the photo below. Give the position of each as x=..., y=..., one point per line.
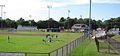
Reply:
x=37, y=9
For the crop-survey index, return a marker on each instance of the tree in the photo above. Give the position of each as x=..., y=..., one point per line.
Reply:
x=32, y=23
x=76, y=20
x=81, y=21
x=3, y=24
x=10, y=23
x=52, y=23
x=42, y=24
x=20, y=21
x=86, y=21
x=94, y=24
x=62, y=21
x=69, y=23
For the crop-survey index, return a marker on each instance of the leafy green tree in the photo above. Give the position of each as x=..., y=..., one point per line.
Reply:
x=42, y=24
x=32, y=23
x=20, y=21
x=81, y=21
x=10, y=23
x=62, y=21
x=3, y=24
x=52, y=23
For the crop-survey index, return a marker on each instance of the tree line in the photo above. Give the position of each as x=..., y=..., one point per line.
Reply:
x=67, y=23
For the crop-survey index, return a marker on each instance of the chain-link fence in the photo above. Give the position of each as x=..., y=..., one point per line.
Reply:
x=67, y=48
x=115, y=44
x=107, y=45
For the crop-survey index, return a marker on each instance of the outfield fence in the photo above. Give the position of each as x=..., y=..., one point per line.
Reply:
x=62, y=51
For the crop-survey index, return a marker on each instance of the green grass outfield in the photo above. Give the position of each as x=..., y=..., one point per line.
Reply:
x=33, y=44
x=88, y=48
x=3, y=30
x=35, y=32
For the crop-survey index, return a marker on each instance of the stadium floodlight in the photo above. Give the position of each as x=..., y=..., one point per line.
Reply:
x=2, y=10
x=68, y=13
x=49, y=7
x=1, y=13
x=81, y=16
x=68, y=18
x=30, y=20
x=4, y=15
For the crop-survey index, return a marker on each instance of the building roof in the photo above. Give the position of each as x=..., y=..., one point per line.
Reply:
x=26, y=26
x=79, y=25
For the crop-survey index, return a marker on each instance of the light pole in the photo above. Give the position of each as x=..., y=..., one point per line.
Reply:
x=81, y=16
x=49, y=7
x=30, y=20
x=2, y=10
x=90, y=19
x=4, y=15
x=1, y=13
x=68, y=13
x=68, y=18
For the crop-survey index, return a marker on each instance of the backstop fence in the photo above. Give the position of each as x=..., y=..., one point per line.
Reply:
x=62, y=51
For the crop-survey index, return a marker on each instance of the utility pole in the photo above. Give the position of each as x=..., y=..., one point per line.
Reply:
x=49, y=7
x=90, y=19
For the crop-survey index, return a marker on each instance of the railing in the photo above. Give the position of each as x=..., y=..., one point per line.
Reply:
x=115, y=44
x=107, y=45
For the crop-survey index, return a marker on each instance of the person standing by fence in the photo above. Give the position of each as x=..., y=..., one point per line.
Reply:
x=97, y=43
x=8, y=39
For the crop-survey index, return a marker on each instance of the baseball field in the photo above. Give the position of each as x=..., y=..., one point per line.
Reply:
x=32, y=42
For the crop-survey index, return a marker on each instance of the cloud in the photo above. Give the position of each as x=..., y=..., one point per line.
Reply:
x=106, y=1
x=38, y=8
x=60, y=3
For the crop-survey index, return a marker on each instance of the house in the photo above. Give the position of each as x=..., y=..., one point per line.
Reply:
x=79, y=27
x=26, y=28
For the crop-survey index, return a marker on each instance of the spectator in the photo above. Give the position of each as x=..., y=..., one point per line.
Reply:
x=8, y=39
x=56, y=36
x=50, y=39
